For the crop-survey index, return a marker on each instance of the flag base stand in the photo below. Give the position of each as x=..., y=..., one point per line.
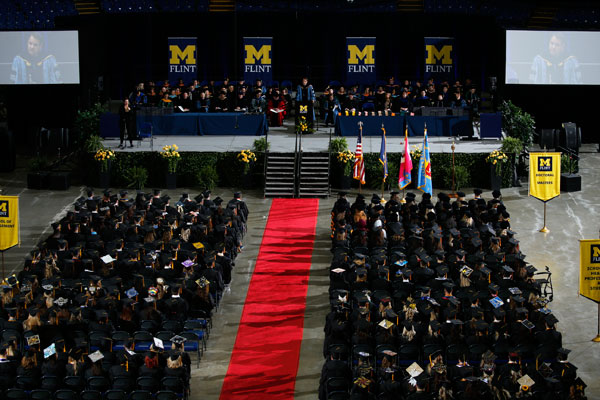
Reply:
x=596, y=339
x=546, y=230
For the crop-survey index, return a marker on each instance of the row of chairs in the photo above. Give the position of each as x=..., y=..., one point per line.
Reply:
x=100, y=384
x=68, y=394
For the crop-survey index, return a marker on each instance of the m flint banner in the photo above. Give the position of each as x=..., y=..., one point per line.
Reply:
x=9, y=222
x=589, y=269
x=182, y=59
x=258, y=57
x=544, y=175
x=360, y=60
x=440, y=59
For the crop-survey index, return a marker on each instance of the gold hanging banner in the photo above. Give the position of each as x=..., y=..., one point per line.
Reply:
x=544, y=175
x=9, y=222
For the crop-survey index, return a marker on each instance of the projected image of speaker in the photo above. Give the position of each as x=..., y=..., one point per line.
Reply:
x=569, y=136
x=549, y=138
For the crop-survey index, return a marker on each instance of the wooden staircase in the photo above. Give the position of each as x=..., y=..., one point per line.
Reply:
x=412, y=6
x=314, y=175
x=543, y=16
x=84, y=7
x=221, y=5
x=280, y=178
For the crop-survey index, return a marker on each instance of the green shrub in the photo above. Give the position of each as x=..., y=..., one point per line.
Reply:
x=207, y=177
x=337, y=145
x=261, y=145
x=136, y=177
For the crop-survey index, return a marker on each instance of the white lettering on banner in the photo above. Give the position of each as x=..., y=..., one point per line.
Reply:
x=438, y=68
x=182, y=68
x=361, y=68
x=257, y=68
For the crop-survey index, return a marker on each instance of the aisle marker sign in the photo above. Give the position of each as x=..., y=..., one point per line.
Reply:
x=589, y=269
x=544, y=175
x=9, y=222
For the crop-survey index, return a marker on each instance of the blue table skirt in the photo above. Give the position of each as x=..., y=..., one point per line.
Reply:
x=192, y=124
x=207, y=124
x=394, y=126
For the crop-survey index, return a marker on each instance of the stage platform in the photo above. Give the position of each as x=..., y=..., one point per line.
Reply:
x=283, y=140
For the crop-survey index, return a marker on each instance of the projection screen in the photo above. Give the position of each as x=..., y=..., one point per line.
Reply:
x=39, y=57
x=552, y=58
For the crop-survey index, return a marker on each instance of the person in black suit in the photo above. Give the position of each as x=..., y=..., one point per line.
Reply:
x=126, y=123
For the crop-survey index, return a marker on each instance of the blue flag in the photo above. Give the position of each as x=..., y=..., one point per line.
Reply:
x=383, y=154
x=424, y=181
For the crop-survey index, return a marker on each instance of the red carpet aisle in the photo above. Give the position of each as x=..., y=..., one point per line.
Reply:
x=265, y=357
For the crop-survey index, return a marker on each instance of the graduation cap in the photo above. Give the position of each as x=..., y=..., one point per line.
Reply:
x=493, y=287
x=515, y=291
x=96, y=356
x=50, y=351
x=178, y=339
x=159, y=343
x=362, y=382
x=550, y=319
x=466, y=271
x=61, y=301
x=33, y=340
x=496, y=302
x=131, y=293
x=499, y=313
x=476, y=241
x=508, y=269
x=528, y=324
x=414, y=370
x=485, y=270
x=526, y=383
x=386, y=324
x=453, y=300
x=518, y=299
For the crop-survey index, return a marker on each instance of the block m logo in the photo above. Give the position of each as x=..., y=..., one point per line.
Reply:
x=365, y=55
x=188, y=54
x=4, y=209
x=434, y=55
x=263, y=54
x=595, y=254
x=545, y=164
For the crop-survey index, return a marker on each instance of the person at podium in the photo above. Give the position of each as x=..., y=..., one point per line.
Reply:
x=305, y=99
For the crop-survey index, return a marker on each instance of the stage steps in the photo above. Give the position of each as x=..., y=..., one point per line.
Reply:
x=314, y=175
x=87, y=7
x=280, y=178
x=221, y=6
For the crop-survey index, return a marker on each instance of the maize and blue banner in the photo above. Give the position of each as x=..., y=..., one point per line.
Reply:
x=440, y=59
x=182, y=59
x=360, y=57
x=257, y=59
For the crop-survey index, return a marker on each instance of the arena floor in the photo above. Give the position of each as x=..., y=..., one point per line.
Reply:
x=571, y=217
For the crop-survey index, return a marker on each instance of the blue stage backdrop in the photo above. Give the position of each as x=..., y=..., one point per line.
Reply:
x=440, y=59
x=258, y=59
x=182, y=59
x=360, y=57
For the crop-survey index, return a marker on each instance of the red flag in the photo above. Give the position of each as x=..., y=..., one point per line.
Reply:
x=359, y=162
x=404, y=177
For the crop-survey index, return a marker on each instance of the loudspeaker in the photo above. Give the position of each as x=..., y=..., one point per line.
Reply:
x=7, y=143
x=548, y=138
x=570, y=140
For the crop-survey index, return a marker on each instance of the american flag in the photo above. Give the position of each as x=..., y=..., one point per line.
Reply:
x=359, y=162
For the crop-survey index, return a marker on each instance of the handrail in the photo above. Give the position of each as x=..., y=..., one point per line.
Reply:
x=299, y=165
x=265, y=163
x=295, y=162
x=329, y=165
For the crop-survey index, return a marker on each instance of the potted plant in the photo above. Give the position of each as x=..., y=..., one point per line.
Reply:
x=37, y=176
x=345, y=159
x=570, y=180
x=172, y=156
x=207, y=178
x=496, y=158
x=136, y=177
x=303, y=126
x=103, y=157
x=517, y=123
x=513, y=146
x=247, y=158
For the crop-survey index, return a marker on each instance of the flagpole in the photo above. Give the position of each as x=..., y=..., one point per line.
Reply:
x=360, y=124
x=383, y=180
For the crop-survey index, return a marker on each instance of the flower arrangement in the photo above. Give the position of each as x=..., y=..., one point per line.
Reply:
x=103, y=156
x=346, y=158
x=172, y=156
x=246, y=157
x=302, y=126
x=497, y=158
x=416, y=152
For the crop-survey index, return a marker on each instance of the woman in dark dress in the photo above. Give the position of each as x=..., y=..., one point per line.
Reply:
x=126, y=123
